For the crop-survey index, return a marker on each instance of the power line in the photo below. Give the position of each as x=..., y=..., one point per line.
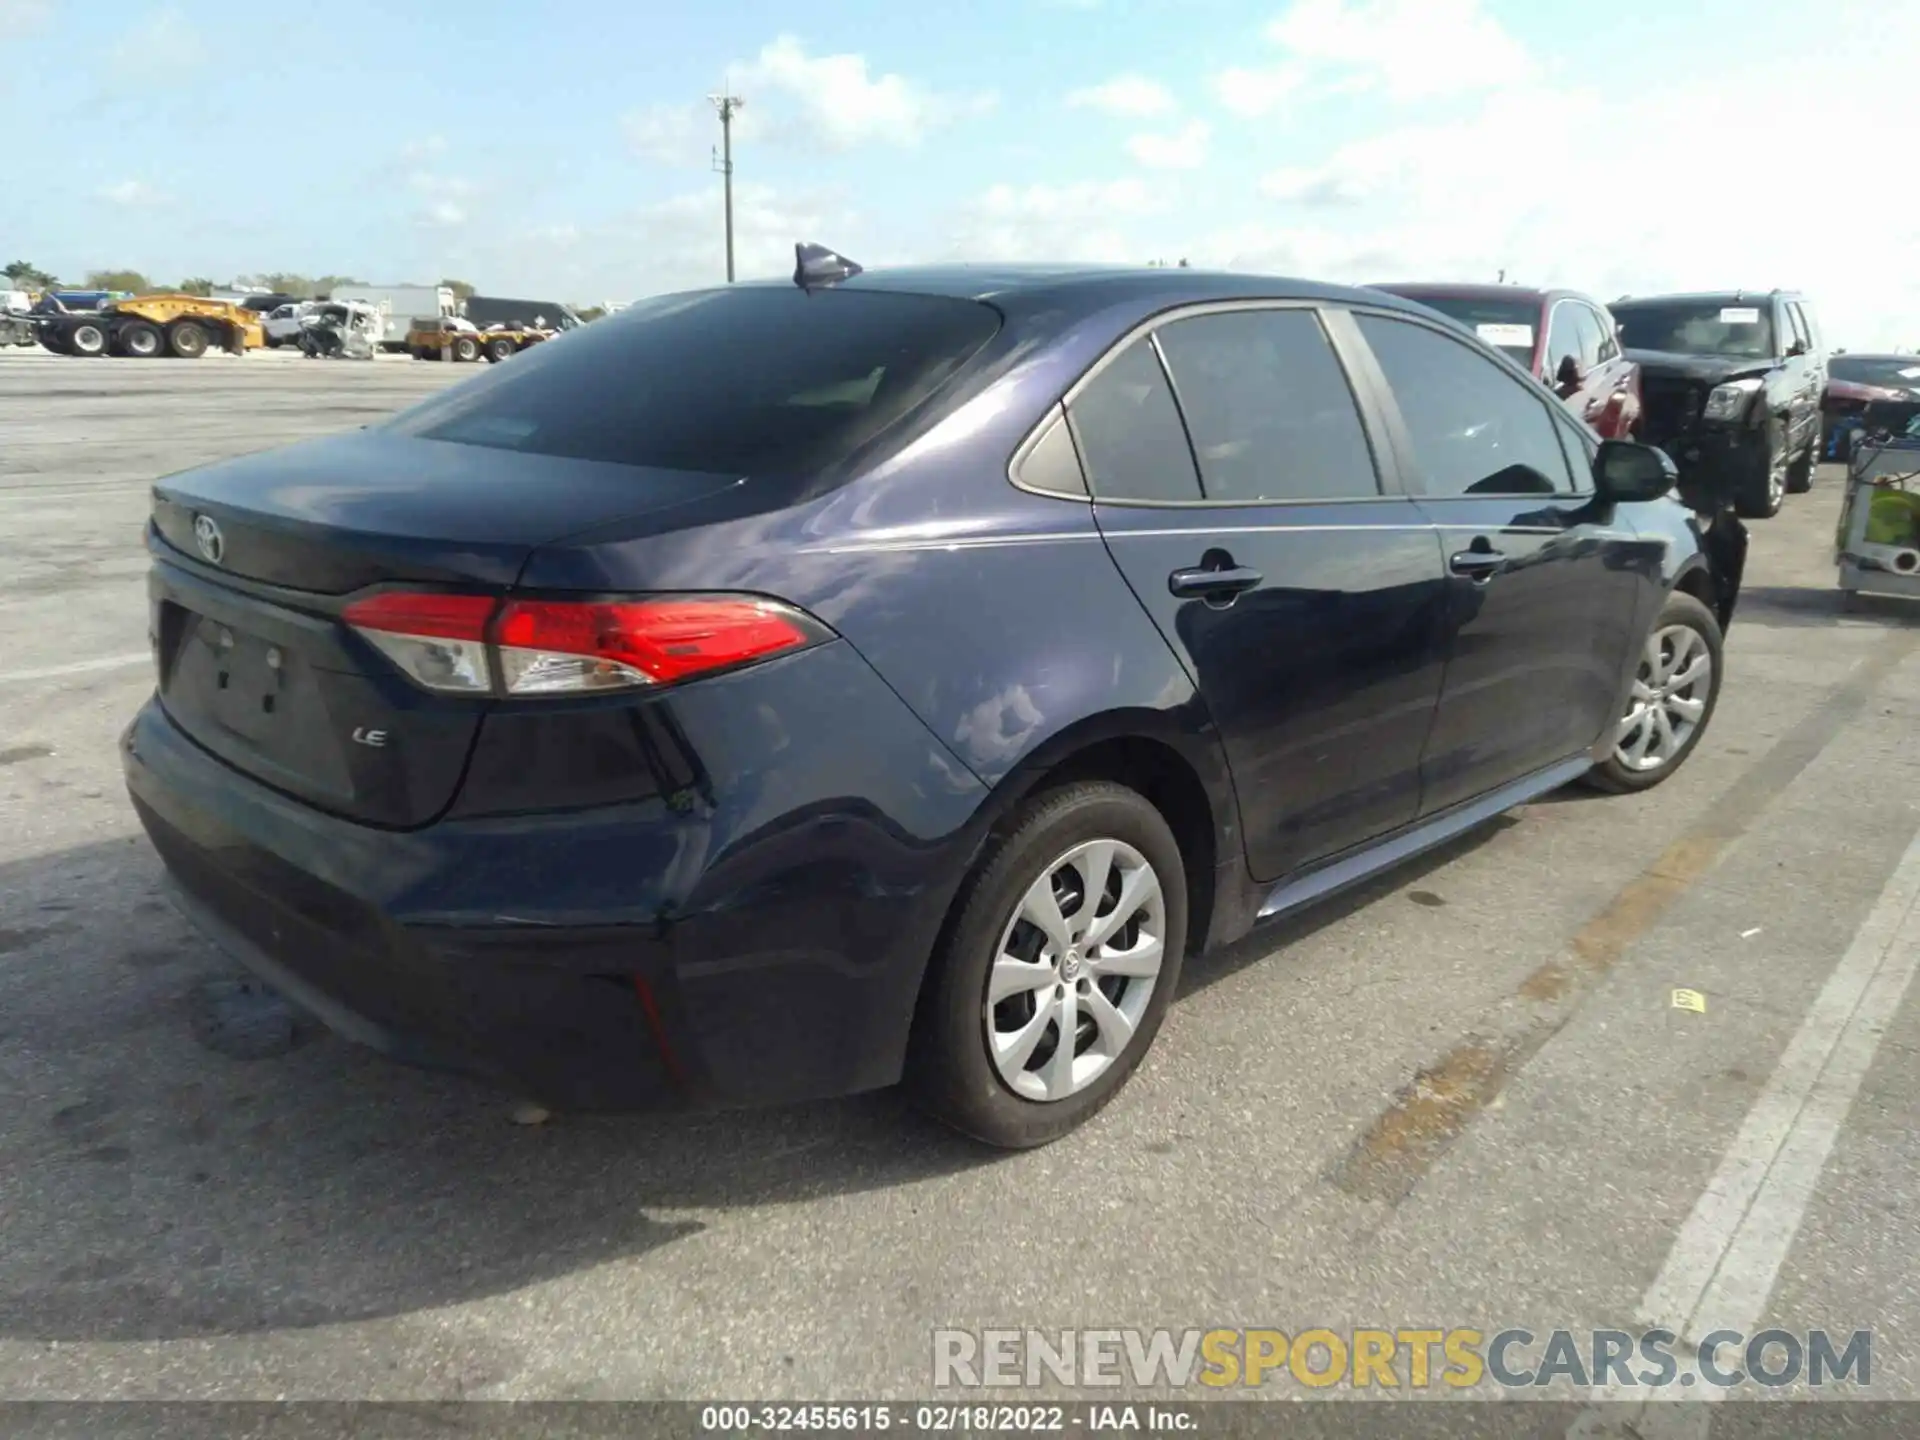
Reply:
x=728, y=106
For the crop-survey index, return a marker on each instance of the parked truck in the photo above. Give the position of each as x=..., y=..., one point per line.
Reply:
x=486, y=310
x=147, y=326
x=399, y=306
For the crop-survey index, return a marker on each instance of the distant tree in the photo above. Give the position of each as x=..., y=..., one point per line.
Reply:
x=462, y=291
x=28, y=277
x=589, y=312
x=1183, y=262
x=195, y=285
x=118, y=280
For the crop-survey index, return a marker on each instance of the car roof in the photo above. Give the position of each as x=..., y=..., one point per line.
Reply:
x=1709, y=297
x=1029, y=287
x=1426, y=289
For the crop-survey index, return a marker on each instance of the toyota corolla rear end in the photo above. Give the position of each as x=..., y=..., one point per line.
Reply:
x=611, y=847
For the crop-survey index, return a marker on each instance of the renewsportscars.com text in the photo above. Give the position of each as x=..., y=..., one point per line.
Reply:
x=1397, y=1359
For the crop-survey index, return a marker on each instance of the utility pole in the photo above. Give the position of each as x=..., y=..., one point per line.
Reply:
x=728, y=106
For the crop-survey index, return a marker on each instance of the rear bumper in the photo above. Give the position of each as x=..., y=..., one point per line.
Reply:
x=754, y=948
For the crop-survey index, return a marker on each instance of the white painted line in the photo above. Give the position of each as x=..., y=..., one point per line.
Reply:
x=1721, y=1269
x=78, y=667
x=1723, y=1263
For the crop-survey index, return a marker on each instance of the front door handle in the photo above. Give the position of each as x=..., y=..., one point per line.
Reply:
x=1204, y=584
x=1477, y=564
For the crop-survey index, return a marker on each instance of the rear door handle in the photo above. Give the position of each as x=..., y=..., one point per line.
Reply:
x=1201, y=584
x=1477, y=564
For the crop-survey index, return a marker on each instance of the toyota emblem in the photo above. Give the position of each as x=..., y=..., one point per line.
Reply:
x=206, y=535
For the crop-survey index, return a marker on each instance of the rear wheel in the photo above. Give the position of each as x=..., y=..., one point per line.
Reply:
x=87, y=338
x=138, y=339
x=1056, y=969
x=465, y=348
x=498, y=350
x=187, y=340
x=1671, y=703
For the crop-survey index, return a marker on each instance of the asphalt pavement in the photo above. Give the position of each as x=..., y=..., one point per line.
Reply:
x=1465, y=1097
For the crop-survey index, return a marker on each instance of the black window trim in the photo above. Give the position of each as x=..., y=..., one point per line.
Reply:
x=1362, y=387
x=1406, y=461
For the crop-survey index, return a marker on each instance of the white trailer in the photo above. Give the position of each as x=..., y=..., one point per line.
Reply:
x=399, y=307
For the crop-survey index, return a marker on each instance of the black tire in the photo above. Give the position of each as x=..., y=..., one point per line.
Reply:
x=498, y=350
x=1614, y=774
x=1800, y=470
x=466, y=348
x=1763, y=489
x=139, y=339
x=950, y=1073
x=274, y=342
x=187, y=340
x=87, y=338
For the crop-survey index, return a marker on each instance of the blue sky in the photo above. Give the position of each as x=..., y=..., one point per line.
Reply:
x=564, y=148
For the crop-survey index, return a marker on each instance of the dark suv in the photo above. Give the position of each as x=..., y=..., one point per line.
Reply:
x=778, y=690
x=1732, y=384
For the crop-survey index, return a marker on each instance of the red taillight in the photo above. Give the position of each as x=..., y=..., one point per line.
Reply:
x=549, y=647
x=439, y=640
x=565, y=645
x=447, y=617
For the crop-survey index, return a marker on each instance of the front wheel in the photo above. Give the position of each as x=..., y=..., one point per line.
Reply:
x=1674, y=692
x=466, y=348
x=1763, y=489
x=1056, y=970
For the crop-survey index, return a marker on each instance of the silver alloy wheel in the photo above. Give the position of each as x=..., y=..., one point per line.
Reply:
x=1075, y=969
x=1669, y=698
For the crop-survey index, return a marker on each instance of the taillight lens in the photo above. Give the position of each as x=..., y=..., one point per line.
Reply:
x=558, y=647
x=553, y=646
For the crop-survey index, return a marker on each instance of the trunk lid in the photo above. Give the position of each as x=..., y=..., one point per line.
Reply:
x=255, y=663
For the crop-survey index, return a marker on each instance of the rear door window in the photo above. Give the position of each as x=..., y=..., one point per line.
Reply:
x=1129, y=432
x=1563, y=341
x=1474, y=429
x=754, y=380
x=1268, y=407
x=1587, y=336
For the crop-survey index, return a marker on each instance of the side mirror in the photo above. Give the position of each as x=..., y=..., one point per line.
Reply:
x=1625, y=471
x=1798, y=347
x=1567, y=379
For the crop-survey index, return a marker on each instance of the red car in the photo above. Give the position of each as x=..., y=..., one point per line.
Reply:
x=1567, y=340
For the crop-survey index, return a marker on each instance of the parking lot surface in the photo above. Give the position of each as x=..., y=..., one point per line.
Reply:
x=1462, y=1097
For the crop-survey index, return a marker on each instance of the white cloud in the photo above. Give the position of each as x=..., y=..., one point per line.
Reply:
x=676, y=244
x=19, y=18
x=1136, y=96
x=425, y=148
x=1465, y=194
x=1183, y=149
x=671, y=134
x=442, y=199
x=836, y=103
x=1088, y=220
x=130, y=193
x=1411, y=49
x=163, y=45
x=1253, y=93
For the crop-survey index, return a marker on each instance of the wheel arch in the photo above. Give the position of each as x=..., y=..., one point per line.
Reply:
x=1182, y=774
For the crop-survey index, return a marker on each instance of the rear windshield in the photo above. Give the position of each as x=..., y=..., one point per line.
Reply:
x=1507, y=325
x=1900, y=372
x=1739, y=329
x=744, y=381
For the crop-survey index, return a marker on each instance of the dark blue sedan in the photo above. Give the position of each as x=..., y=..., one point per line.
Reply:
x=783, y=690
